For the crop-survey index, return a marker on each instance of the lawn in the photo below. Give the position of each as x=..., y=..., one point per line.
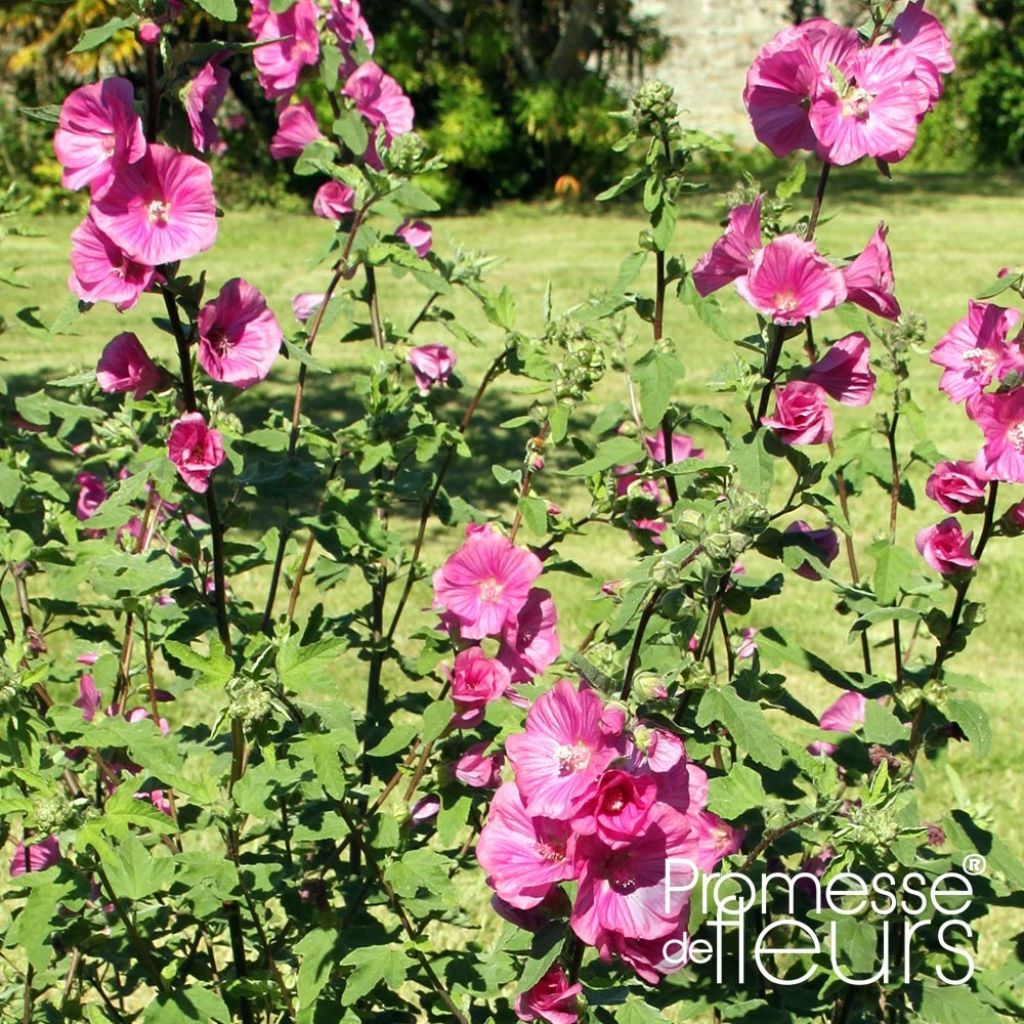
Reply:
x=948, y=236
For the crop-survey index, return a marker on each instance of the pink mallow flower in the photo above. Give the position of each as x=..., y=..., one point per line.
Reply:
x=202, y=97
x=97, y=133
x=345, y=19
x=920, y=32
x=296, y=129
x=823, y=544
x=730, y=256
x=89, y=699
x=91, y=495
x=562, y=753
x=36, y=856
x=870, y=280
x=957, y=487
x=485, y=583
x=946, y=548
x=101, y=271
x=845, y=714
x=1001, y=418
x=239, y=336
x=195, y=450
x=125, y=366
x=529, y=643
x=523, y=855
x=291, y=43
x=748, y=645
x=160, y=209
x=552, y=999
x=682, y=448
x=417, y=235
x=788, y=281
x=431, y=365
x=305, y=304
x=802, y=415
x=844, y=371
x=333, y=200
x=380, y=100
x=476, y=681
x=974, y=351
x=478, y=769
x=787, y=75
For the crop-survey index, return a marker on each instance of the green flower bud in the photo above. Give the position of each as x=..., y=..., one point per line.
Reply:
x=653, y=105
x=53, y=813
x=407, y=155
x=251, y=703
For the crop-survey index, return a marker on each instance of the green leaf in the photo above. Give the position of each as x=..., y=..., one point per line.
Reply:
x=435, y=719
x=636, y=1010
x=94, y=37
x=194, y=1004
x=792, y=182
x=315, y=962
x=396, y=740
x=663, y=223
x=954, y=1004
x=754, y=465
x=321, y=750
x=656, y=373
x=351, y=129
x=419, y=869
x=881, y=725
x=374, y=964
x=617, y=451
x=733, y=794
x=745, y=720
x=10, y=485
x=893, y=567
x=214, y=669
x=558, y=419
x=544, y=949
x=624, y=185
x=133, y=870
x=534, y=511
x=31, y=930
x=222, y=10
x=972, y=719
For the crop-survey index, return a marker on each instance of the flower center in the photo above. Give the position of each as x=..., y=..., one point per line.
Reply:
x=219, y=340
x=619, y=874
x=785, y=301
x=857, y=103
x=1016, y=436
x=572, y=758
x=490, y=589
x=159, y=211
x=551, y=851
x=980, y=360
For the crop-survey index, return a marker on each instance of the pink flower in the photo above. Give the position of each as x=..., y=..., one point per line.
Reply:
x=125, y=366
x=844, y=371
x=333, y=200
x=90, y=497
x=35, y=856
x=89, y=699
x=974, y=351
x=380, y=100
x=98, y=132
x=787, y=75
x=431, y=365
x=731, y=255
x=239, y=337
x=788, y=281
x=425, y=809
x=802, y=415
x=957, y=487
x=945, y=547
x=748, y=645
x=160, y=209
x=845, y=714
x=102, y=271
x=476, y=681
x=305, y=304
x=292, y=43
x=346, y=21
x=682, y=448
x=202, y=97
x=485, y=583
x=552, y=999
x=523, y=855
x=479, y=769
x=417, y=235
x=621, y=805
x=562, y=753
x=877, y=112
x=920, y=32
x=296, y=129
x=149, y=32
x=823, y=544
x=1001, y=418
x=529, y=643
x=195, y=450
x=870, y=280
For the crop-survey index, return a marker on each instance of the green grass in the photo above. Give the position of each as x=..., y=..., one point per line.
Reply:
x=948, y=236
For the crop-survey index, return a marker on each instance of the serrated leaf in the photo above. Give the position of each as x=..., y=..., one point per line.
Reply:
x=745, y=720
x=731, y=795
x=313, y=949
x=881, y=725
x=656, y=374
x=754, y=465
x=893, y=565
x=373, y=965
x=617, y=451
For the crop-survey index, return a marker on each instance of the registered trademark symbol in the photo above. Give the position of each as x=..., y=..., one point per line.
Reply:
x=974, y=864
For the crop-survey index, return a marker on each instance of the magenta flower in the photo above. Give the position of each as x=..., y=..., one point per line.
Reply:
x=552, y=999
x=974, y=351
x=523, y=855
x=98, y=132
x=478, y=769
x=787, y=75
x=823, y=544
x=920, y=32
x=788, y=281
x=36, y=856
x=125, y=366
x=802, y=415
x=562, y=753
x=845, y=714
x=239, y=337
x=529, y=643
x=291, y=43
x=957, y=487
x=945, y=547
x=620, y=808
x=202, y=98
x=870, y=280
x=380, y=100
x=305, y=304
x=476, y=681
x=89, y=699
x=345, y=19
x=296, y=129
x=91, y=495
x=748, y=645
x=844, y=371
x=417, y=235
x=731, y=255
x=876, y=113
x=1001, y=418
x=149, y=32
x=160, y=209
x=425, y=810
x=195, y=450
x=431, y=365
x=102, y=271
x=682, y=448
x=333, y=200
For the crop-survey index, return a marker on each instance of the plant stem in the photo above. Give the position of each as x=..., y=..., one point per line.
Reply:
x=638, y=639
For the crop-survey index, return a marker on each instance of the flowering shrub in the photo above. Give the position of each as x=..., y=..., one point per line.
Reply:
x=224, y=803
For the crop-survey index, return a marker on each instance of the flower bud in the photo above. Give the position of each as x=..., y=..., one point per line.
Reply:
x=250, y=704
x=653, y=105
x=407, y=154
